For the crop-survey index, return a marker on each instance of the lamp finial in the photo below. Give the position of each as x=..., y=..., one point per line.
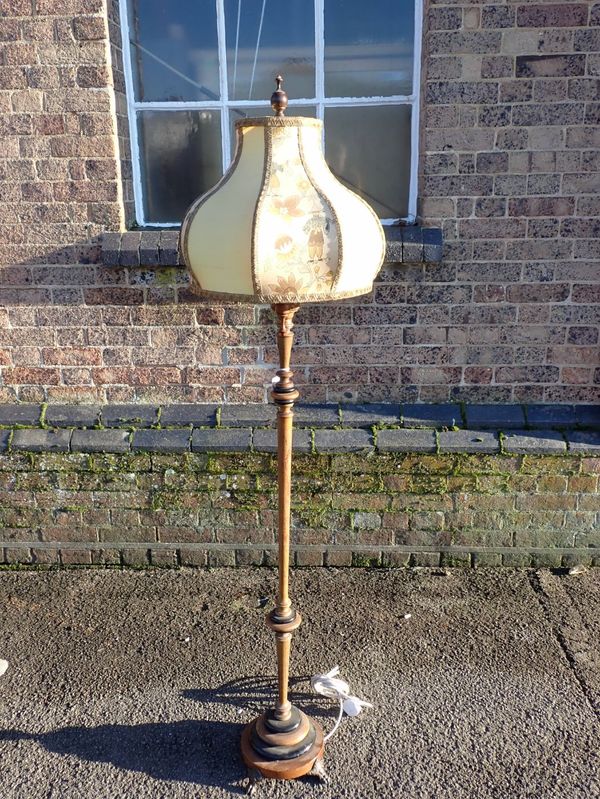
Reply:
x=279, y=99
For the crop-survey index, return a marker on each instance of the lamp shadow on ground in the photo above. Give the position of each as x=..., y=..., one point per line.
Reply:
x=257, y=694
x=202, y=752
x=199, y=752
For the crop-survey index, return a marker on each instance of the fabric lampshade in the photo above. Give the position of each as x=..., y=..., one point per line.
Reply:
x=279, y=227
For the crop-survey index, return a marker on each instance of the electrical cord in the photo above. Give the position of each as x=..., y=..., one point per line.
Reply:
x=333, y=687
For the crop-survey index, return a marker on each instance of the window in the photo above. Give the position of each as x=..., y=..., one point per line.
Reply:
x=195, y=66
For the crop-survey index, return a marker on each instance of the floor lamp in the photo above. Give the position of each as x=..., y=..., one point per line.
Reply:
x=279, y=228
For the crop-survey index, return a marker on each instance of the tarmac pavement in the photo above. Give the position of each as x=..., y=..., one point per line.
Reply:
x=131, y=684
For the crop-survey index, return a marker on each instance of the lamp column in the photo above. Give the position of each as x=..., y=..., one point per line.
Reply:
x=283, y=743
x=283, y=620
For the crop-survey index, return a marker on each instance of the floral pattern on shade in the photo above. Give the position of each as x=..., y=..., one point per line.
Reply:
x=296, y=245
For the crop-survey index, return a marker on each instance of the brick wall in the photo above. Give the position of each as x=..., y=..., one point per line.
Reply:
x=386, y=484
x=395, y=509
x=509, y=170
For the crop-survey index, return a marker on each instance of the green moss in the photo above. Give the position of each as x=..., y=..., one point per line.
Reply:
x=501, y=440
x=17, y=426
x=455, y=560
x=429, y=485
x=165, y=276
x=362, y=561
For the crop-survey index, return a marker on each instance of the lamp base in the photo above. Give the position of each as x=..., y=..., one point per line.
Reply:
x=282, y=750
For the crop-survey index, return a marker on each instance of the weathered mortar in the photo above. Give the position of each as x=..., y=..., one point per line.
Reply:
x=388, y=484
x=220, y=508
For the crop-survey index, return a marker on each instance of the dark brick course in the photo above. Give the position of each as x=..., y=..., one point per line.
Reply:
x=431, y=415
x=548, y=416
x=72, y=415
x=584, y=442
x=497, y=417
x=266, y=440
x=343, y=441
x=161, y=248
x=189, y=414
x=100, y=441
x=20, y=414
x=129, y=415
x=370, y=415
x=234, y=440
x=41, y=440
x=545, y=442
x=161, y=440
x=468, y=441
x=247, y=415
x=406, y=441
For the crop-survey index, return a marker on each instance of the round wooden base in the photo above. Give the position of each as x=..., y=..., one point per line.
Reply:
x=282, y=768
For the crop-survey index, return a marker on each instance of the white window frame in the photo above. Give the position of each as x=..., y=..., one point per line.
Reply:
x=225, y=104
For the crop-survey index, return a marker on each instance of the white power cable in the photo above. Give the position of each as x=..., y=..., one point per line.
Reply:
x=333, y=687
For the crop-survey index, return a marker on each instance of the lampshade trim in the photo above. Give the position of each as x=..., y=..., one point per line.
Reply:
x=199, y=202
x=356, y=196
x=278, y=122
x=293, y=299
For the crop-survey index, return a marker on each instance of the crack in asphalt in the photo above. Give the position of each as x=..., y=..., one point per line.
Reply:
x=544, y=601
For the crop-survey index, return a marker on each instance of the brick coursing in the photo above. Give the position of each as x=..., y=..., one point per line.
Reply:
x=387, y=484
x=220, y=509
x=509, y=170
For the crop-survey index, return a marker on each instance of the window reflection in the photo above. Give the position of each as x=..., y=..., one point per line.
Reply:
x=369, y=47
x=263, y=42
x=181, y=159
x=368, y=148
x=174, y=50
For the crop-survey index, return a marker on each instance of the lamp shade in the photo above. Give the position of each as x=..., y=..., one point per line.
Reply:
x=279, y=227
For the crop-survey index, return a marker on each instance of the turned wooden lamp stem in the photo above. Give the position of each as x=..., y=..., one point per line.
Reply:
x=284, y=395
x=283, y=743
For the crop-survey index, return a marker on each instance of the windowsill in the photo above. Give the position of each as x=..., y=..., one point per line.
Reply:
x=154, y=248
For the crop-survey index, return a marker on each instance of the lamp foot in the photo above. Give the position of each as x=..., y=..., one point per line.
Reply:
x=281, y=750
x=254, y=777
x=318, y=770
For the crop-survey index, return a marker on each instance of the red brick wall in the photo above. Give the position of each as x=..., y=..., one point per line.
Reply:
x=509, y=170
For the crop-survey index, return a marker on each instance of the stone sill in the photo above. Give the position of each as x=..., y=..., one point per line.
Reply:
x=151, y=248
x=319, y=429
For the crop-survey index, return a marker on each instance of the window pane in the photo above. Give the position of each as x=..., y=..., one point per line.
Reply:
x=368, y=148
x=284, y=44
x=180, y=154
x=369, y=47
x=174, y=49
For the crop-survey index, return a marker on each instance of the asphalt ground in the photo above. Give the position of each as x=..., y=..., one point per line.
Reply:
x=138, y=683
